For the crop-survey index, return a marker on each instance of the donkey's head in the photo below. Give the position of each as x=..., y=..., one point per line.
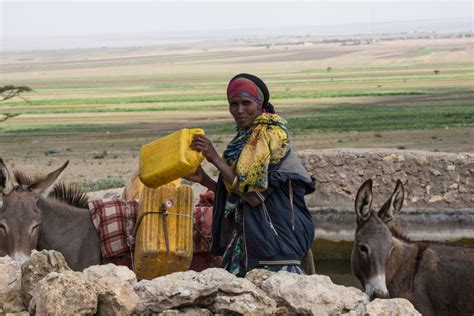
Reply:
x=373, y=241
x=20, y=217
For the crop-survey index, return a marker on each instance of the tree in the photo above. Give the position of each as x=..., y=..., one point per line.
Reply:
x=328, y=69
x=436, y=72
x=10, y=91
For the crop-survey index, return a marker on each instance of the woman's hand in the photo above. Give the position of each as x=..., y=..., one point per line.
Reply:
x=198, y=176
x=204, y=145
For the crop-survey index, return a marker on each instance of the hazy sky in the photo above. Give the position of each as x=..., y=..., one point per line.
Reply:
x=34, y=19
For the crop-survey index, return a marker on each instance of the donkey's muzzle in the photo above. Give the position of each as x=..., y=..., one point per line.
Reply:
x=379, y=293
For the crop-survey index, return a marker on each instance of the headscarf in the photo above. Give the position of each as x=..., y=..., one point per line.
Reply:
x=252, y=150
x=250, y=86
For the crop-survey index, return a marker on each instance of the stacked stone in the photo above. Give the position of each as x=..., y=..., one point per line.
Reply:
x=431, y=179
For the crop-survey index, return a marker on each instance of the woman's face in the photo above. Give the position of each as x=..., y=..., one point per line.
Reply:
x=244, y=110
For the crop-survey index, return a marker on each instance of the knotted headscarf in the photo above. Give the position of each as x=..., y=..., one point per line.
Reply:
x=250, y=86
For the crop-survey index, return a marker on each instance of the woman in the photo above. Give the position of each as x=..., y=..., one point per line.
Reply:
x=260, y=217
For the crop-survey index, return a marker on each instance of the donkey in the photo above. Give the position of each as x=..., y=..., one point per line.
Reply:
x=32, y=218
x=438, y=278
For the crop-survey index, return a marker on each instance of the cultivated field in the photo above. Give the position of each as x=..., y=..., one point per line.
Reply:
x=96, y=107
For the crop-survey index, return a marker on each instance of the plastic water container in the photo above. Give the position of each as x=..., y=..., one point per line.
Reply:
x=169, y=158
x=134, y=187
x=164, y=239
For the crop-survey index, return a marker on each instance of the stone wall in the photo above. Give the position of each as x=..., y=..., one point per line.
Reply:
x=432, y=180
x=44, y=285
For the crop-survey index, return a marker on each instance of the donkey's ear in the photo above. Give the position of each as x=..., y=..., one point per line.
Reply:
x=6, y=184
x=43, y=186
x=363, y=202
x=393, y=205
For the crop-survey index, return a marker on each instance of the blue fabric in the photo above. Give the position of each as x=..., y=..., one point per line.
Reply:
x=233, y=150
x=261, y=241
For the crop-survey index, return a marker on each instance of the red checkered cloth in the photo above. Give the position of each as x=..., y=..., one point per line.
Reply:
x=111, y=218
x=202, y=233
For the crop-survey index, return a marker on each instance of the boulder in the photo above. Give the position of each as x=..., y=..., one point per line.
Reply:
x=258, y=276
x=110, y=275
x=23, y=313
x=66, y=293
x=10, y=286
x=394, y=306
x=186, y=312
x=313, y=294
x=37, y=267
x=214, y=289
x=115, y=288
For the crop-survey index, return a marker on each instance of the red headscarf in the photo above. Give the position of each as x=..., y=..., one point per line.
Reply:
x=243, y=87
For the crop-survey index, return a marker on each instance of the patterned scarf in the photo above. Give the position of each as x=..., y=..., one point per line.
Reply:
x=243, y=87
x=252, y=150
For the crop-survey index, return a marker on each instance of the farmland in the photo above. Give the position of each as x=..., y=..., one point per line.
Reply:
x=96, y=107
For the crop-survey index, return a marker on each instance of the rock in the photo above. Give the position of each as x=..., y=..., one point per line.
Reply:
x=453, y=186
x=244, y=304
x=322, y=163
x=348, y=190
x=435, y=198
x=67, y=293
x=258, y=276
x=450, y=197
x=111, y=275
x=314, y=294
x=421, y=160
x=22, y=313
x=186, y=312
x=388, y=158
x=435, y=172
x=394, y=306
x=450, y=167
x=117, y=301
x=214, y=289
x=337, y=161
x=428, y=189
x=37, y=267
x=10, y=286
x=115, y=288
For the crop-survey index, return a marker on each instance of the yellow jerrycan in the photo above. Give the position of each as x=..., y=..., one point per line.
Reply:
x=164, y=238
x=134, y=187
x=169, y=158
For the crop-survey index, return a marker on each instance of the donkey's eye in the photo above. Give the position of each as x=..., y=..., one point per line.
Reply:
x=363, y=249
x=35, y=228
x=3, y=229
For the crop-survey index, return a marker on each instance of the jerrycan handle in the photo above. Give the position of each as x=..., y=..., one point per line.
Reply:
x=192, y=132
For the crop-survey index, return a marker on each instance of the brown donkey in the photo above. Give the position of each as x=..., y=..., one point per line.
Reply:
x=438, y=278
x=33, y=218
